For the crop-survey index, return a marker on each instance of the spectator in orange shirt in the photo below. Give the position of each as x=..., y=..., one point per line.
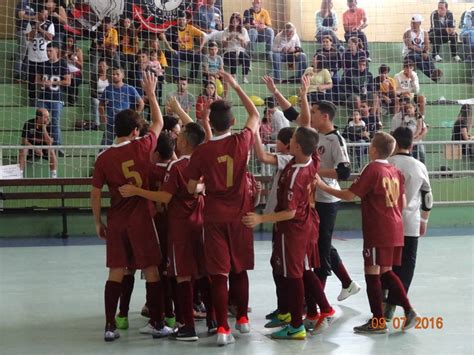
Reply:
x=354, y=21
x=258, y=23
x=385, y=88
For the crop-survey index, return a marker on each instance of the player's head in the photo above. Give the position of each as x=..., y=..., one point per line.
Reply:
x=322, y=114
x=381, y=146
x=117, y=75
x=221, y=116
x=171, y=124
x=190, y=137
x=304, y=141
x=127, y=123
x=465, y=114
x=52, y=49
x=404, y=137
x=283, y=139
x=165, y=146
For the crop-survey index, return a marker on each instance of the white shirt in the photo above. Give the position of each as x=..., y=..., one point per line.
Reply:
x=37, y=47
x=416, y=180
x=282, y=161
x=417, y=39
x=233, y=40
x=279, y=121
x=281, y=41
x=404, y=83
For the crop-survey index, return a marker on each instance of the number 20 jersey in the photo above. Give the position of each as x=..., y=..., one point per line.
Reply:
x=381, y=187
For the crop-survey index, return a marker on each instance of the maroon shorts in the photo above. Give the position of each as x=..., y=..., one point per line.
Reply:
x=387, y=256
x=290, y=254
x=134, y=245
x=228, y=247
x=312, y=256
x=185, y=248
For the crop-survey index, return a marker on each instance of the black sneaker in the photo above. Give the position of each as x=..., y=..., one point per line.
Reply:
x=211, y=327
x=272, y=314
x=184, y=334
x=371, y=327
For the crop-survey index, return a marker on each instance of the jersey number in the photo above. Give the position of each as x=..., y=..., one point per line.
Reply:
x=39, y=44
x=54, y=79
x=230, y=168
x=392, y=191
x=130, y=174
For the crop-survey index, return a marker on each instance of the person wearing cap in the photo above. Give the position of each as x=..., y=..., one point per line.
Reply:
x=358, y=82
x=354, y=21
x=443, y=30
x=408, y=85
x=416, y=47
x=385, y=88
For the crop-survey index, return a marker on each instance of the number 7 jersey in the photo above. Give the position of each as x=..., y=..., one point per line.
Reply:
x=222, y=162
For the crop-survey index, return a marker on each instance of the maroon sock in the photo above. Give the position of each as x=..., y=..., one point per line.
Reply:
x=185, y=300
x=374, y=292
x=281, y=292
x=154, y=300
x=341, y=273
x=111, y=296
x=392, y=282
x=196, y=293
x=127, y=288
x=232, y=296
x=167, y=296
x=296, y=305
x=220, y=296
x=206, y=294
x=174, y=293
x=315, y=288
x=323, y=280
x=241, y=293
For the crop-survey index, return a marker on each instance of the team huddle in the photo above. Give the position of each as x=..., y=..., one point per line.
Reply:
x=198, y=236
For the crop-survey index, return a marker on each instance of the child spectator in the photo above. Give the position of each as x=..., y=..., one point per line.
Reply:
x=386, y=90
x=212, y=63
x=356, y=132
x=209, y=95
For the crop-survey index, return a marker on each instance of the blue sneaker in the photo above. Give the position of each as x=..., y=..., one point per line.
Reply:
x=290, y=333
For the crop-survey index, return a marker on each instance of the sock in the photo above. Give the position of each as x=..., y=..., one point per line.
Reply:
x=154, y=300
x=206, y=294
x=374, y=293
x=174, y=293
x=54, y=174
x=323, y=280
x=232, y=300
x=220, y=297
x=111, y=296
x=282, y=293
x=196, y=293
x=241, y=293
x=185, y=300
x=392, y=282
x=296, y=305
x=167, y=296
x=127, y=288
x=315, y=288
x=341, y=273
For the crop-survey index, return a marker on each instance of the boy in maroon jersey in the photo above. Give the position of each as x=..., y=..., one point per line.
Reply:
x=130, y=234
x=228, y=244
x=380, y=188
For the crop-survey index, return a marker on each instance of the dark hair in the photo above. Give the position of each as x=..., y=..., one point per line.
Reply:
x=408, y=63
x=320, y=61
x=194, y=134
x=404, y=137
x=443, y=2
x=327, y=37
x=169, y=122
x=232, y=28
x=126, y=121
x=384, y=68
x=270, y=102
x=308, y=139
x=107, y=20
x=118, y=68
x=144, y=127
x=221, y=115
x=183, y=78
x=53, y=44
x=285, y=134
x=206, y=84
x=212, y=44
x=384, y=143
x=465, y=112
x=165, y=145
x=327, y=107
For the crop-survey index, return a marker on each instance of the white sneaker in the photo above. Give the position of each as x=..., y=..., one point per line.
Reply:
x=246, y=79
x=224, y=337
x=438, y=58
x=111, y=335
x=147, y=329
x=369, y=59
x=243, y=325
x=162, y=332
x=457, y=58
x=353, y=288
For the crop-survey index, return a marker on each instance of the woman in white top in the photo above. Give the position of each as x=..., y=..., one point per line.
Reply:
x=99, y=82
x=235, y=40
x=326, y=24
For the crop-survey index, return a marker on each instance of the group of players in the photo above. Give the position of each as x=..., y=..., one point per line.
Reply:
x=210, y=198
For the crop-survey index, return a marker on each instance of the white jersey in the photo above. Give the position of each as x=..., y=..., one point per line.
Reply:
x=417, y=39
x=332, y=151
x=416, y=180
x=37, y=46
x=282, y=161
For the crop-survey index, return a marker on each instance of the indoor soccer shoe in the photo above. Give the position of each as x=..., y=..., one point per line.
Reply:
x=290, y=333
x=111, y=334
x=353, y=288
x=272, y=315
x=368, y=328
x=279, y=320
x=184, y=334
x=224, y=337
x=121, y=322
x=242, y=325
x=389, y=311
x=324, y=318
x=161, y=331
x=410, y=319
x=211, y=327
x=170, y=322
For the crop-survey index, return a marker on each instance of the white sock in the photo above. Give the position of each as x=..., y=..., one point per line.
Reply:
x=54, y=174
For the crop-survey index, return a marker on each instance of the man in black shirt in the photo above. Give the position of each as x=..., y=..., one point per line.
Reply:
x=443, y=30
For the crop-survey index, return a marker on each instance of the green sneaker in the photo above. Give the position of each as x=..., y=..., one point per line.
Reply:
x=279, y=321
x=121, y=322
x=290, y=333
x=170, y=322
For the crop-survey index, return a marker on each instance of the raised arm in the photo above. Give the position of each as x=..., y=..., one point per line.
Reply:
x=175, y=107
x=149, y=86
x=304, y=119
x=261, y=154
x=282, y=101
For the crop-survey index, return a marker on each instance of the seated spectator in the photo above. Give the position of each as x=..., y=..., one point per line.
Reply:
x=235, y=41
x=58, y=17
x=185, y=99
x=462, y=130
x=287, y=49
x=24, y=13
x=182, y=39
x=208, y=17
x=385, y=87
x=371, y=118
x=443, y=30
x=108, y=47
x=354, y=21
x=75, y=61
x=212, y=62
x=275, y=117
x=117, y=97
x=351, y=56
x=209, y=95
x=128, y=44
x=467, y=33
x=416, y=47
x=358, y=82
x=99, y=81
x=153, y=44
x=258, y=23
x=407, y=84
x=35, y=132
x=265, y=130
x=320, y=80
x=356, y=132
x=326, y=24
x=332, y=61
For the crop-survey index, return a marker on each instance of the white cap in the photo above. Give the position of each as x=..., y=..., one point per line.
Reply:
x=416, y=18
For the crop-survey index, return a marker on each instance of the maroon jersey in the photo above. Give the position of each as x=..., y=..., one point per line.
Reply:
x=380, y=187
x=122, y=164
x=222, y=161
x=252, y=188
x=183, y=205
x=157, y=175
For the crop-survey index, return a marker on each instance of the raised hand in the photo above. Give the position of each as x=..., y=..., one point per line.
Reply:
x=149, y=83
x=268, y=80
x=305, y=82
x=228, y=78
